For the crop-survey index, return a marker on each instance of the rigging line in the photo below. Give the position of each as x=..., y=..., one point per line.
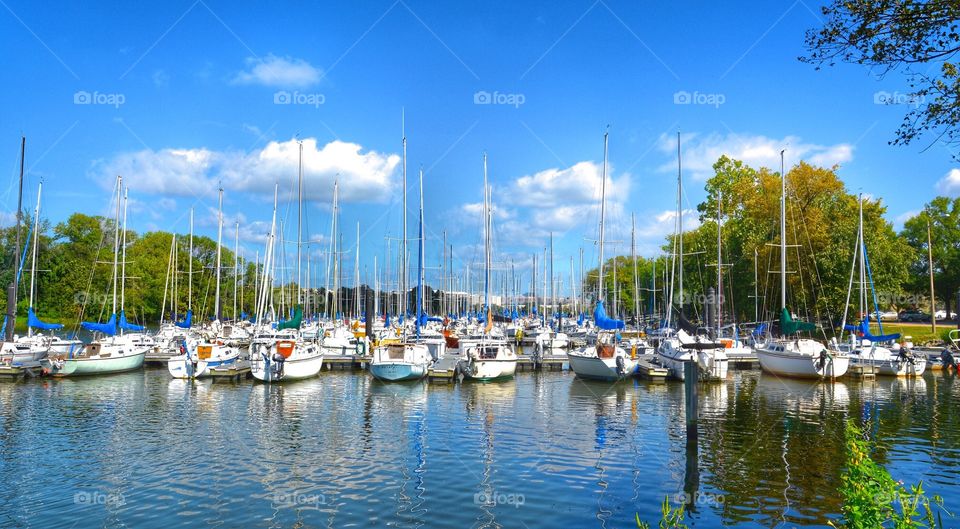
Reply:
x=819, y=280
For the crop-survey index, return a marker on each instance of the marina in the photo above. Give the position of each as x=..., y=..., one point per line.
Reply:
x=419, y=264
x=405, y=454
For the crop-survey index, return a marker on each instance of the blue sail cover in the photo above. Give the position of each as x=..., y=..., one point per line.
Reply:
x=187, y=322
x=109, y=328
x=127, y=326
x=580, y=319
x=864, y=330
x=34, y=321
x=603, y=321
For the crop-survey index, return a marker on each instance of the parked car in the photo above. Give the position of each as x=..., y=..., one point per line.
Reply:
x=888, y=315
x=942, y=315
x=914, y=316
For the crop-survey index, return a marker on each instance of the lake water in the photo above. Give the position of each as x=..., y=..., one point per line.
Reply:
x=542, y=450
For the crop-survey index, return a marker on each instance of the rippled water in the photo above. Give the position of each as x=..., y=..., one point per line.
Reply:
x=543, y=450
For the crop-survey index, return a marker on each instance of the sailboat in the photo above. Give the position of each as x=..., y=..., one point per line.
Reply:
x=789, y=355
x=866, y=349
x=284, y=354
x=211, y=351
x=605, y=360
x=110, y=353
x=687, y=343
x=406, y=360
x=490, y=357
x=55, y=344
x=14, y=351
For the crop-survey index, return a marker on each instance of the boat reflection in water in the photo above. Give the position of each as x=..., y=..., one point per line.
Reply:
x=539, y=450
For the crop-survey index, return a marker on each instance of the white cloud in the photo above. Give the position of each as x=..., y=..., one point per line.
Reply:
x=950, y=183
x=578, y=184
x=700, y=152
x=363, y=176
x=280, y=72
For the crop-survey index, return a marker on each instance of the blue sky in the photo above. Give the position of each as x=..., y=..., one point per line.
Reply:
x=178, y=96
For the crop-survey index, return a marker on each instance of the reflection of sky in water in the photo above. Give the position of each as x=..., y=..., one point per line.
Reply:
x=541, y=450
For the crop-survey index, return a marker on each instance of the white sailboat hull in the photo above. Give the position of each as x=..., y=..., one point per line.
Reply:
x=305, y=362
x=594, y=368
x=802, y=359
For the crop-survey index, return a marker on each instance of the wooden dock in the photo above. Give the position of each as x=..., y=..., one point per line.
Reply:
x=444, y=370
x=550, y=362
x=156, y=359
x=743, y=361
x=862, y=371
x=647, y=368
x=20, y=371
x=344, y=362
x=236, y=372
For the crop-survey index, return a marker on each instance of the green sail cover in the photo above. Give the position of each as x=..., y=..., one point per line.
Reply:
x=294, y=322
x=788, y=326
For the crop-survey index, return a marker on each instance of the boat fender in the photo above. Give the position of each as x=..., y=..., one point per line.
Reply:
x=621, y=366
x=823, y=359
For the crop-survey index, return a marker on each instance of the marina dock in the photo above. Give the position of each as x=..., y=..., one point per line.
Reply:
x=648, y=368
x=20, y=371
x=236, y=372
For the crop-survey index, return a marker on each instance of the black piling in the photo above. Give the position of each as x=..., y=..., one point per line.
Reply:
x=691, y=478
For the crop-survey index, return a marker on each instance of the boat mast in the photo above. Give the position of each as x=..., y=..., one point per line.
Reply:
x=783, y=234
x=236, y=267
x=219, y=240
x=603, y=208
x=633, y=255
x=33, y=265
x=420, y=261
x=123, y=262
x=680, y=221
x=190, y=269
x=299, y=225
x=717, y=306
x=356, y=275
x=486, y=240
x=116, y=241
x=403, y=240
x=14, y=285
x=553, y=297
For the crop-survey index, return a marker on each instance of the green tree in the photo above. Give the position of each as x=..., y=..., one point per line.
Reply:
x=942, y=214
